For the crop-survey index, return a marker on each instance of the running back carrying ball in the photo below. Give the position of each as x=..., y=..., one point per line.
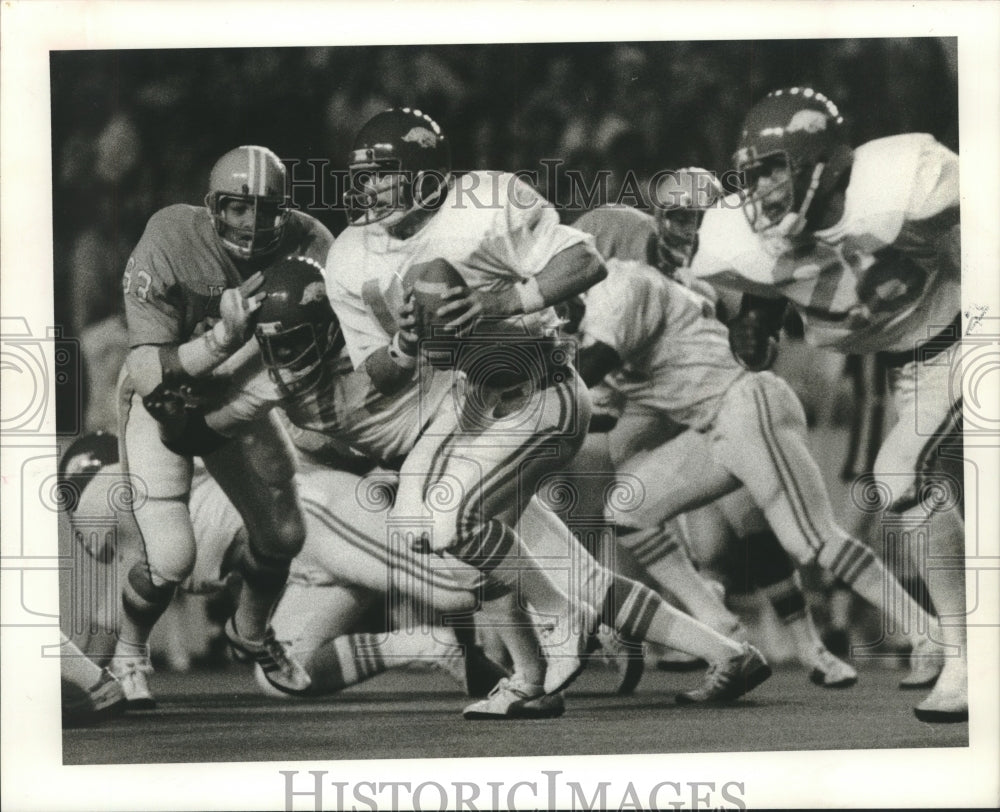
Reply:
x=438, y=343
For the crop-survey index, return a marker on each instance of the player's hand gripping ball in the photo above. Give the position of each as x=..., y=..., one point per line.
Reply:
x=438, y=284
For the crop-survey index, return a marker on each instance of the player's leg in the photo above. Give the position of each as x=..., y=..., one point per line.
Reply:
x=771, y=570
x=926, y=498
x=350, y=554
x=159, y=519
x=256, y=472
x=463, y=484
x=662, y=549
x=89, y=693
x=759, y=436
x=636, y=613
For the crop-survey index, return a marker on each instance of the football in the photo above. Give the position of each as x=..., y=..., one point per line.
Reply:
x=433, y=278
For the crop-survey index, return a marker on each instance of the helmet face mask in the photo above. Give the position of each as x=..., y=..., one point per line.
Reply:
x=793, y=152
x=400, y=165
x=294, y=357
x=771, y=187
x=682, y=197
x=297, y=329
x=246, y=199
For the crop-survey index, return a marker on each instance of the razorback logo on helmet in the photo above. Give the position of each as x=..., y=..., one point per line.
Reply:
x=811, y=121
x=422, y=136
x=313, y=292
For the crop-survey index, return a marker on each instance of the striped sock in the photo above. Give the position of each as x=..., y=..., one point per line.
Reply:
x=663, y=554
x=858, y=567
x=638, y=613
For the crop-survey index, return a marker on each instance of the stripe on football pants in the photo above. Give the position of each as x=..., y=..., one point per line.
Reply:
x=814, y=540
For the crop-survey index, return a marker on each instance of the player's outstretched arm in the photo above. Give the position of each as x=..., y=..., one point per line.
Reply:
x=151, y=366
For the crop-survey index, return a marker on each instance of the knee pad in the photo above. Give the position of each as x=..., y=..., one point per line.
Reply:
x=281, y=534
x=143, y=599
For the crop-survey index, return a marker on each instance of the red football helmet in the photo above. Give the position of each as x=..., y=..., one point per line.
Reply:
x=401, y=161
x=792, y=152
x=246, y=196
x=296, y=327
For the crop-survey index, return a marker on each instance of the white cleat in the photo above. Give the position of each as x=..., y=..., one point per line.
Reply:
x=513, y=698
x=280, y=669
x=926, y=662
x=131, y=675
x=829, y=671
x=565, y=649
x=104, y=700
x=949, y=701
x=729, y=679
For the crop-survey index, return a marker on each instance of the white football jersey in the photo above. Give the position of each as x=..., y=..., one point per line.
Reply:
x=676, y=353
x=884, y=278
x=495, y=230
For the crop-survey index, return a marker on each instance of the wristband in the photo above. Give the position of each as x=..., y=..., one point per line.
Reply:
x=400, y=357
x=530, y=295
x=215, y=344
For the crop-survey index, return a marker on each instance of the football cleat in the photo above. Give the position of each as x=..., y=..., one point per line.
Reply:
x=131, y=674
x=513, y=698
x=926, y=662
x=280, y=669
x=729, y=679
x=565, y=651
x=829, y=671
x=678, y=662
x=103, y=700
x=949, y=701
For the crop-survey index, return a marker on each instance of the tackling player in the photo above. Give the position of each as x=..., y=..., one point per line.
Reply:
x=343, y=566
x=189, y=290
x=865, y=245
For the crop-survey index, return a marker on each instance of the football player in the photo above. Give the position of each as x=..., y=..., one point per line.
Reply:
x=668, y=355
x=668, y=240
x=189, y=290
x=865, y=245
x=342, y=568
x=522, y=413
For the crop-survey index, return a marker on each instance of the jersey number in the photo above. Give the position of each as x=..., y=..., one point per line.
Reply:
x=142, y=282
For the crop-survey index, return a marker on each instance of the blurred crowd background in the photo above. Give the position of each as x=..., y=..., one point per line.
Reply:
x=133, y=131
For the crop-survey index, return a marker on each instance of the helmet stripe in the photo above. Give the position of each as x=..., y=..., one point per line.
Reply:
x=252, y=170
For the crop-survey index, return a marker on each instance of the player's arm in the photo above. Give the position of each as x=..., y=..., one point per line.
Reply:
x=169, y=364
x=571, y=271
x=754, y=331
